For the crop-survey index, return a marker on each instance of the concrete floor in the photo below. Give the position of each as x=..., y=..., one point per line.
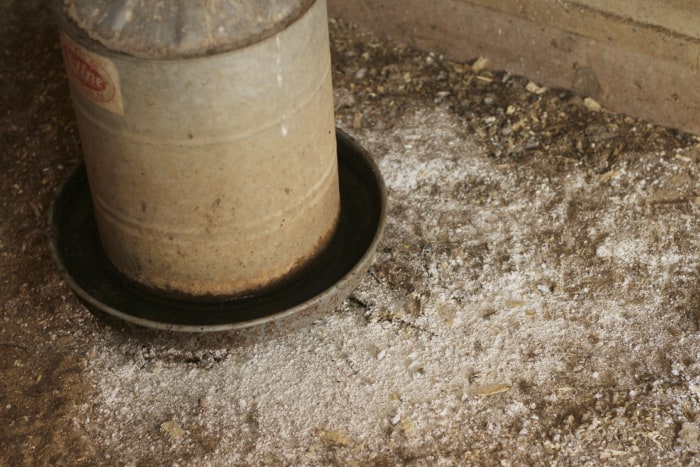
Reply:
x=535, y=298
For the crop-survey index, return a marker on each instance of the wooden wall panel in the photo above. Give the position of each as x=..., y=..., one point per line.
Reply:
x=627, y=64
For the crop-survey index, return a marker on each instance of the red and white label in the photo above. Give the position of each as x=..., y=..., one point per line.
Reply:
x=93, y=75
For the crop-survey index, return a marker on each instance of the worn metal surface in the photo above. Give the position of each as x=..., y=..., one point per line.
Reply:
x=212, y=176
x=318, y=289
x=173, y=28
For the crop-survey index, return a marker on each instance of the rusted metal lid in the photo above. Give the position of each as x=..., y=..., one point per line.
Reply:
x=163, y=29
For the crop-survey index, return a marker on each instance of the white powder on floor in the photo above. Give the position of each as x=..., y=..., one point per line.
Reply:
x=497, y=290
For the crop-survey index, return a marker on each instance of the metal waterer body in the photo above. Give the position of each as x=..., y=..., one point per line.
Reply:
x=208, y=136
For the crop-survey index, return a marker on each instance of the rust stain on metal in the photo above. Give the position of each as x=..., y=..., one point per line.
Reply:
x=263, y=117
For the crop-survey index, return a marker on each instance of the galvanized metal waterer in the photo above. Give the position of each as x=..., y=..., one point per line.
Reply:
x=214, y=169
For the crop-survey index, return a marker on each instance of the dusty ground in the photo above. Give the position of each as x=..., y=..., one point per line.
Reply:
x=535, y=299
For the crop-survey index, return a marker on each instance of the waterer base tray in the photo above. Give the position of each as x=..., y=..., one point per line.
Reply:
x=304, y=298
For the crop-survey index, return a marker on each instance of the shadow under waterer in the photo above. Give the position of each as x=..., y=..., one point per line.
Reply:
x=215, y=193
